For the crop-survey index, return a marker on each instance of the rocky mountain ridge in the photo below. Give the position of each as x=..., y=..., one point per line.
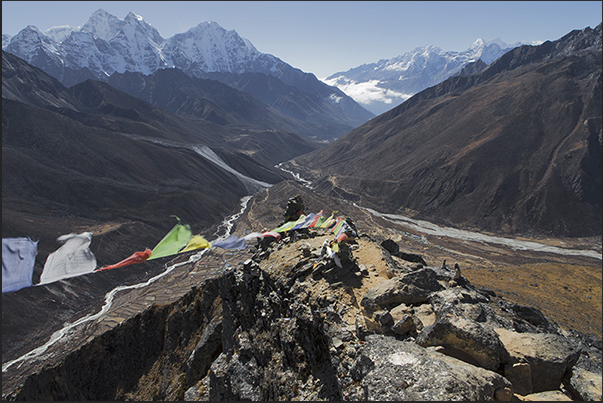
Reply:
x=105, y=45
x=291, y=322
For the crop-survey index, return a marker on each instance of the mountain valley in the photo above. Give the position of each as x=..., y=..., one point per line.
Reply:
x=515, y=148
x=476, y=202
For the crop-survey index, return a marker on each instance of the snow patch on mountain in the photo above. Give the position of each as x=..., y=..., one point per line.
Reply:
x=59, y=33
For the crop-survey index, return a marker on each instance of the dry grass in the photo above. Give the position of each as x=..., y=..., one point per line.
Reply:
x=568, y=294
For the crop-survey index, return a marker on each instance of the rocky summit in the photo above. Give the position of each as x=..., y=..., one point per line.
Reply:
x=288, y=319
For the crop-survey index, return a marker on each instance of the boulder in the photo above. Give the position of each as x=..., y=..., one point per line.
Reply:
x=390, y=246
x=585, y=385
x=520, y=375
x=551, y=356
x=465, y=339
x=404, y=326
x=234, y=379
x=394, y=249
x=397, y=370
x=411, y=288
x=411, y=257
x=424, y=316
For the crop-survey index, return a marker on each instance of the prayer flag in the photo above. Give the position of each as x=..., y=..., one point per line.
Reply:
x=135, y=258
x=18, y=258
x=316, y=219
x=72, y=259
x=232, y=242
x=196, y=242
x=177, y=238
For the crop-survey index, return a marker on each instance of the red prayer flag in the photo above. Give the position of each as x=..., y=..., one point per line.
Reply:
x=135, y=258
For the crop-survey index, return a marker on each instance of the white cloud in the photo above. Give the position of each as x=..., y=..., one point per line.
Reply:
x=368, y=92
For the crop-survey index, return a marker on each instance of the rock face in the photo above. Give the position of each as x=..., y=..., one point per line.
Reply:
x=270, y=328
x=411, y=288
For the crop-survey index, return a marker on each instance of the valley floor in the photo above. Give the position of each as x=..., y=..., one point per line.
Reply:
x=567, y=288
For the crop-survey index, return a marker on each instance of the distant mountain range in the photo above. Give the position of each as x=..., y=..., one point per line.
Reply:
x=105, y=45
x=385, y=84
x=513, y=147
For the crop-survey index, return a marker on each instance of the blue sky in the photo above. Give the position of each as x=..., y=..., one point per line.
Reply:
x=325, y=37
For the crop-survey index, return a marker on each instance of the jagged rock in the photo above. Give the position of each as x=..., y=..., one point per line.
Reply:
x=232, y=378
x=410, y=288
x=465, y=339
x=398, y=371
x=457, y=295
x=585, y=385
x=531, y=315
x=192, y=394
x=405, y=325
x=205, y=352
x=385, y=319
x=262, y=334
x=551, y=356
x=411, y=257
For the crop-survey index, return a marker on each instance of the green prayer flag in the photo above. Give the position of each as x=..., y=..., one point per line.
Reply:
x=172, y=242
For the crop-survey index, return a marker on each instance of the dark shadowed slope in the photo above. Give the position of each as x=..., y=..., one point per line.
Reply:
x=252, y=126
x=92, y=158
x=515, y=148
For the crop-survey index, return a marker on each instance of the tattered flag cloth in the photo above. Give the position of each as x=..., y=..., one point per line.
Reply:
x=175, y=240
x=196, y=242
x=18, y=258
x=316, y=220
x=328, y=222
x=334, y=227
x=135, y=258
x=232, y=242
x=249, y=237
x=306, y=222
x=290, y=225
x=70, y=260
x=346, y=231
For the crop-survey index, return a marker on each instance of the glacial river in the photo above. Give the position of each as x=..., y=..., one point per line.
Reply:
x=429, y=228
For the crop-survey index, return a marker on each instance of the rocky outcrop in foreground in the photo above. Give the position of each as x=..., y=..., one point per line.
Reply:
x=296, y=322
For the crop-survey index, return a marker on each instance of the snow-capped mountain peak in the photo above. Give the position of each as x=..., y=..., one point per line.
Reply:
x=106, y=44
x=212, y=47
x=103, y=25
x=383, y=85
x=28, y=41
x=132, y=16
